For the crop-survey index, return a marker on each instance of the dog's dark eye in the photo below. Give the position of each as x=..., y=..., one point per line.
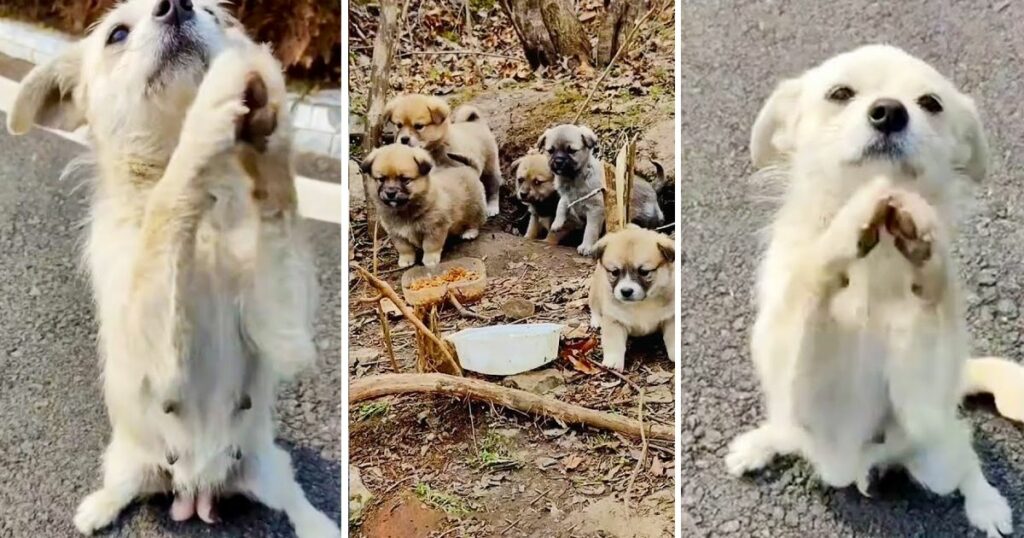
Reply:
x=840, y=94
x=118, y=34
x=614, y=272
x=645, y=272
x=418, y=126
x=930, y=103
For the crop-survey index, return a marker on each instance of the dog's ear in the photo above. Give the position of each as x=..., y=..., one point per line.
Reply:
x=439, y=110
x=541, y=141
x=667, y=246
x=589, y=137
x=772, y=135
x=972, y=151
x=367, y=165
x=423, y=161
x=599, y=247
x=515, y=164
x=49, y=95
x=389, y=110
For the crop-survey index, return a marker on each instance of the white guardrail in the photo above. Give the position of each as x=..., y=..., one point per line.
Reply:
x=319, y=200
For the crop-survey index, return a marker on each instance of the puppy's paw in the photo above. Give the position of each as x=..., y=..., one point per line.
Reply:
x=406, y=260
x=314, y=524
x=749, y=452
x=614, y=363
x=183, y=508
x=97, y=510
x=871, y=230
x=256, y=126
x=431, y=259
x=493, y=208
x=585, y=249
x=470, y=234
x=911, y=221
x=988, y=511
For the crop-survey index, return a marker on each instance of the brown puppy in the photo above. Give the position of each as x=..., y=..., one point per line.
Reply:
x=632, y=291
x=420, y=205
x=535, y=186
x=453, y=139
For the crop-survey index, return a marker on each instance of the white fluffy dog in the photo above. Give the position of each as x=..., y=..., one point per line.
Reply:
x=204, y=287
x=860, y=340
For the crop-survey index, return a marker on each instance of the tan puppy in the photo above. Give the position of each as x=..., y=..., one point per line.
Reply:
x=535, y=186
x=632, y=291
x=462, y=137
x=420, y=205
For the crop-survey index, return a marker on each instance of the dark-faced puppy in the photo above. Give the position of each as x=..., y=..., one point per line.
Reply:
x=428, y=122
x=578, y=175
x=535, y=186
x=632, y=290
x=420, y=205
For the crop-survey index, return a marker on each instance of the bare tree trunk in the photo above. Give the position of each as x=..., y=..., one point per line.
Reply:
x=566, y=31
x=380, y=69
x=529, y=27
x=619, y=17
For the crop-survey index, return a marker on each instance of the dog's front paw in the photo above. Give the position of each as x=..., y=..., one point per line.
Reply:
x=431, y=259
x=316, y=525
x=989, y=511
x=749, y=452
x=406, y=260
x=97, y=510
x=871, y=230
x=911, y=221
x=586, y=249
x=492, y=208
x=260, y=121
x=470, y=234
x=614, y=363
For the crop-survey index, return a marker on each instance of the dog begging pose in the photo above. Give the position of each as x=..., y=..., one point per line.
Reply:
x=860, y=340
x=204, y=287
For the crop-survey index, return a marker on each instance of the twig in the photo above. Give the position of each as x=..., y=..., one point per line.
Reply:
x=643, y=451
x=518, y=400
x=665, y=227
x=390, y=293
x=459, y=52
x=587, y=196
x=623, y=47
x=463, y=311
x=385, y=325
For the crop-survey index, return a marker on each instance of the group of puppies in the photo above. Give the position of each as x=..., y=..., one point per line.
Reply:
x=861, y=340
x=441, y=178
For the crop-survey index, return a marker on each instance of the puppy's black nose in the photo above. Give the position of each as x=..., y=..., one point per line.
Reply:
x=626, y=292
x=405, y=140
x=888, y=116
x=173, y=12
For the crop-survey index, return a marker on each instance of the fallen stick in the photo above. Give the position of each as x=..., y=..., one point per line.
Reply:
x=386, y=290
x=376, y=386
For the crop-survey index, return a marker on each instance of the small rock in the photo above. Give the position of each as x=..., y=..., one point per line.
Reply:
x=516, y=309
x=358, y=495
x=1007, y=308
x=362, y=355
x=987, y=277
x=539, y=381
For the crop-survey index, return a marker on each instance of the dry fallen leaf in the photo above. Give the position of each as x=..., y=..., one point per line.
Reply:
x=572, y=462
x=577, y=353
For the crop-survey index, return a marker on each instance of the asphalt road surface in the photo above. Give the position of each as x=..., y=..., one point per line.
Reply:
x=733, y=54
x=53, y=426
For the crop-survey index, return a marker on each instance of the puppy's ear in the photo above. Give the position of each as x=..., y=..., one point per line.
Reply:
x=772, y=135
x=423, y=161
x=599, y=247
x=439, y=110
x=972, y=151
x=48, y=95
x=389, y=110
x=541, y=141
x=667, y=246
x=367, y=165
x=515, y=164
x=589, y=137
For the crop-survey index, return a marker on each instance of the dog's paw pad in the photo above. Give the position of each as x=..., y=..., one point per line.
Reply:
x=261, y=119
x=870, y=232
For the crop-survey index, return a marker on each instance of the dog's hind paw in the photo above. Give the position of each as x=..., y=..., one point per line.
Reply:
x=751, y=451
x=98, y=510
x=989, y=512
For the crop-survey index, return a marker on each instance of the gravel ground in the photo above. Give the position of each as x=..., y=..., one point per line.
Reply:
x=733, y=53
x=53, y=427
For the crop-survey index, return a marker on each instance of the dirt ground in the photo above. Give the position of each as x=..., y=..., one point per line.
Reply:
x=430, y=466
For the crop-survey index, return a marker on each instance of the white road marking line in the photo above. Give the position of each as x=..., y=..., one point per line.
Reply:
x=320, y=200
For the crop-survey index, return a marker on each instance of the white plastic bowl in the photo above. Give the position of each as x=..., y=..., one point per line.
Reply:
x=507, y=349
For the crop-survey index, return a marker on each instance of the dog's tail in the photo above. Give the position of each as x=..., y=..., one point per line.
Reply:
x=1003, y=379
x=466, y=113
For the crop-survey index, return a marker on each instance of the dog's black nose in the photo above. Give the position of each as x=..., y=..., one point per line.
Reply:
x=559, y=161
x=888, y=116
x=626, y=292
x=405, y=140
x=173, y=12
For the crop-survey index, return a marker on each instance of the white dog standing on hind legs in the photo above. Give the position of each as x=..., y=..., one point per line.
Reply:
x=861, y=340
x=205, y=289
